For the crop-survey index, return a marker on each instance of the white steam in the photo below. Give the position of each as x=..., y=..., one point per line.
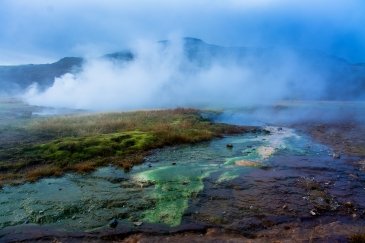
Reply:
x=162, y=76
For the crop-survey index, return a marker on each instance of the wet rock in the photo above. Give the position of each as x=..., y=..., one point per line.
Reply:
x=336, y=155
x=113, y=223
x=138, y=223
x=362, y=165
x=349, y=204
x=150, y=165
x=229, y=145
x=173, y=163
x=313, y=212
x=266, y=132
x=320, y=202
x=265, y=167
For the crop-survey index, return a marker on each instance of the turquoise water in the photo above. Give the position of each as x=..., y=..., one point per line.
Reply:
x=158, y=191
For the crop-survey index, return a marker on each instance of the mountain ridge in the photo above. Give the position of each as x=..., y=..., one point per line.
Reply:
x=343, y=80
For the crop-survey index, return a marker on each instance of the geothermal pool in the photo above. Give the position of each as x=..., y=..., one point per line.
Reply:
x=163, y=190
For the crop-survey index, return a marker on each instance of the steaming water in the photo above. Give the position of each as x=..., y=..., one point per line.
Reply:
x=159, y=191
x=291, y=112
x=240, y=188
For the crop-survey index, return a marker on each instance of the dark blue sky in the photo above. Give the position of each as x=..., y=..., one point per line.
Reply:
x=42, y=30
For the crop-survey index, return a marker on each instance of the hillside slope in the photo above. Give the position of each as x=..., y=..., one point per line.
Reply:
x=337, y=78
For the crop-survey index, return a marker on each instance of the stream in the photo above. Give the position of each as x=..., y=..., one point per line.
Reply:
x=244, y=183
x=162, y=189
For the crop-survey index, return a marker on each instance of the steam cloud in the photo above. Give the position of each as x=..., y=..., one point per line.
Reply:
x=162, y=76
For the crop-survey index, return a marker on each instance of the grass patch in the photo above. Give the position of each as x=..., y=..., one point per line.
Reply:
x=84, y=142
x=71, y=150
x=43, y=171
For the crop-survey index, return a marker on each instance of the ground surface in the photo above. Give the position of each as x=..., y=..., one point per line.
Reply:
x=34, y=148
x=310, y=190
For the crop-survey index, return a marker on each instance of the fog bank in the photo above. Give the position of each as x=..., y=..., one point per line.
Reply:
x=182, y=73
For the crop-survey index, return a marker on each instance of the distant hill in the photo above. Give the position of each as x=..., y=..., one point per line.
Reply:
x=339, y=78
x=17, y=78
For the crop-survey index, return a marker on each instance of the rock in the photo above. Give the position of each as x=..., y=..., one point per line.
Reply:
x=285, y=206
x=280, y=128
x=173, y=163
x=113, y=223
x=266, y=132
x=229, y=145
x=138, y=223
x=349, y=204
x=313, y=212
x=336, y=155
x=362, y=165
x=73, y=217
x=150, y=165
x=26, y=221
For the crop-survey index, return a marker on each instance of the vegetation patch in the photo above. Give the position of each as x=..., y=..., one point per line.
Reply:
x=52, y=146
x=71, y=150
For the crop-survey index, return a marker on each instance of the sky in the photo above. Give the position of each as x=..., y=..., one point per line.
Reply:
x=39, y=31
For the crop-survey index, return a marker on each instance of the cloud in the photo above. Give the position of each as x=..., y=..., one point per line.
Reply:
x=61, y=27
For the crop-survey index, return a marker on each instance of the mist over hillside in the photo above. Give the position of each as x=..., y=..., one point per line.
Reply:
x=186, y=72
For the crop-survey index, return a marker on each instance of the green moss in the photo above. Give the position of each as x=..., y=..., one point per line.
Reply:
x=84, y=142
x=75, y=149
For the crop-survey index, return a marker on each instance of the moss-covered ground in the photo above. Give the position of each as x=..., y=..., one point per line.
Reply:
x=81, y=143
